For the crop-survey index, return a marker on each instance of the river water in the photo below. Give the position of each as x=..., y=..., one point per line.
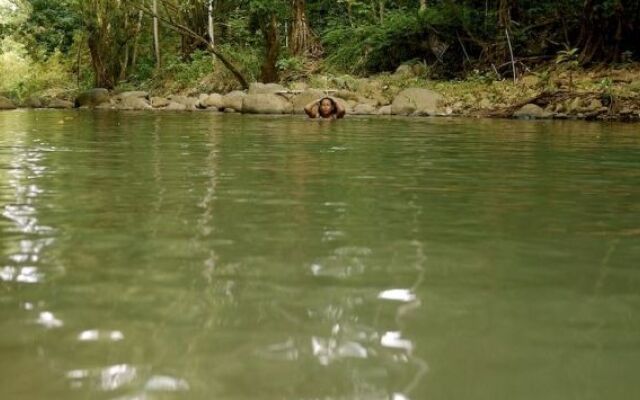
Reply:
x=201, y=256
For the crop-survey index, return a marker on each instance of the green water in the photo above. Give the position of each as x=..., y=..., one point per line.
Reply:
x=199, y=256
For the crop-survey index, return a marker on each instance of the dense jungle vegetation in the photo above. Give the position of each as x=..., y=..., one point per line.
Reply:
x=223, y=44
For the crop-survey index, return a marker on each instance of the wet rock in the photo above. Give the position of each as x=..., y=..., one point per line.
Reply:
x=230, y=110
x=213, y=100
x=415, y=100
x=531, y=111
x=92, y=98
x=364, y=109
x=159, y=102
x=190, y=103
x=384, y=110
x=34, y=102
x=59, y=103
x=175, y=106
x=6, y=104
x=265, y=88
x=133, y=103
x=233, y=100
x=266, y=104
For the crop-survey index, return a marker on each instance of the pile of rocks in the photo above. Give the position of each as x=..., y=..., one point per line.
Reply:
x=259, y=99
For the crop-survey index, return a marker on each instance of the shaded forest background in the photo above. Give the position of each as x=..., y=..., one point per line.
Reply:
x=223, y=44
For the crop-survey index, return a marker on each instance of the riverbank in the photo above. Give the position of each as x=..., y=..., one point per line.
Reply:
x=597, y=94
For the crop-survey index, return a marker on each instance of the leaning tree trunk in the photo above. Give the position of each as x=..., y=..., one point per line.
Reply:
x=269, y=72
x=300, y=36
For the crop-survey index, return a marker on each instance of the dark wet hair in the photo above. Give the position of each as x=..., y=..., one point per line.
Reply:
x=334, y=106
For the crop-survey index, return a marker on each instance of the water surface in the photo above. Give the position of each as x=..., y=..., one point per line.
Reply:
x=200, y=256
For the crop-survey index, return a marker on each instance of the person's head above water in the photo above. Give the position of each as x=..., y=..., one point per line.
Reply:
x=325, y=107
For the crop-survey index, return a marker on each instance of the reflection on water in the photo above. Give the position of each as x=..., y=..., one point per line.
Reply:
x=169, y=256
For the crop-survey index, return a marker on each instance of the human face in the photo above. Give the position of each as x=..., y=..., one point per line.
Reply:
x=326, y=108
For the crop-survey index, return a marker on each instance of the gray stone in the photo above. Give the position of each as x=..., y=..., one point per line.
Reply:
x=404, y=71
x=34, y=102
x=59, y=103
x=213, y=100
x=133, y=93
x=233, y=100
x=174, y=106
x=190, y=103
x=6, y=104
x=134, y=103
x=415, y=100
x=159, y=102
x=364, y=109
x=92, y=98
x=384, y=110
x=265, y=88
x=532, y=111
x=266, y=104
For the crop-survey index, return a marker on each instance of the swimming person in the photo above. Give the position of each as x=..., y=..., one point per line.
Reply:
x=326, y=108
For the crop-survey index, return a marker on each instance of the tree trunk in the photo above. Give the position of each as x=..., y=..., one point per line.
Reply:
x=269, y=72
x=300, y=35
x=156, y=39
x=423, y=5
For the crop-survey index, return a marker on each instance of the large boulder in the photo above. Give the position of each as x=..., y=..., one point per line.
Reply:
x=384, y=110
x=266, y=104
x=6, y=104
x=159, y=102
x=532, y=111
x=233, y=100
x=59, y=103
x=132, y=94
x=34, y=102
x=417, y=101
x=174, y=106
x=134, y=103
x=213, y=100
x=364, y=109
x=304, y=98
x=265, y=88
x=190, y=103
x=92, y=98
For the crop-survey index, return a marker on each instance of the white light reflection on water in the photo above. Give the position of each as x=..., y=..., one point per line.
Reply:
x=48, y=320
x=95, y=335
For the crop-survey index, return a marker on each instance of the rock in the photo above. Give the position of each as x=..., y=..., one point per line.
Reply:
x=532, y=111
x=365, y=100
x=159, y=102
x=414, y=100
x=265, y=88
x=133, y=103
x=59, y=103
x=34, y=102
x=266, y=104
x=6, y=104
x=92, y=98
x=213, y=100
x=351, y=104
x=419, y=69
x=304, y=98
x=364, y=109
x=384, y=110
x=233, y=100
x=346, y=95
x=404, y=71
x=175, y=106
x=106, y=106
x=134, y=93
x=229, y=110
x=190, y=103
